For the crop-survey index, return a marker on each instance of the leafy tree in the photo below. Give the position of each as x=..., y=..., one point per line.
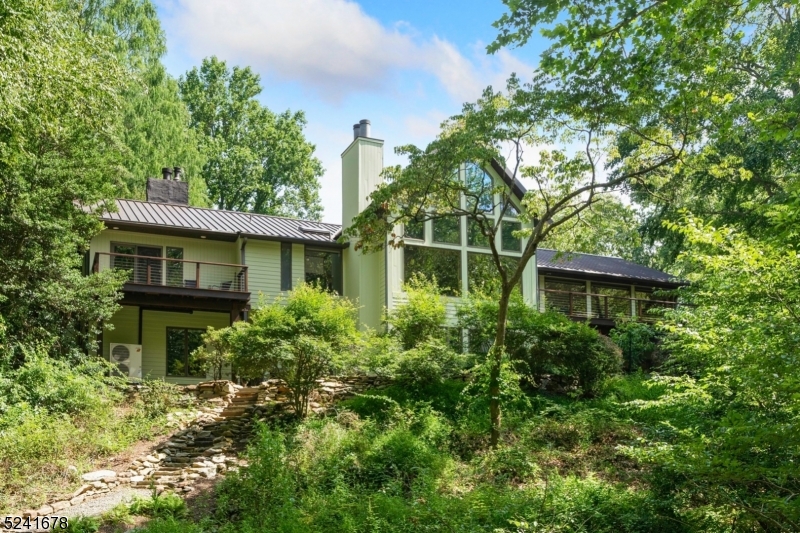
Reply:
x=732, y=403
x=727, y=70
x=215, y=353
x=59, y=101
x=256, y=160
x=297, y=339
x=431, y=187
x=154, y=122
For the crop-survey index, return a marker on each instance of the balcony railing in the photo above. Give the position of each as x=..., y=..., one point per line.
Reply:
x=602, y=306
x=178, y=273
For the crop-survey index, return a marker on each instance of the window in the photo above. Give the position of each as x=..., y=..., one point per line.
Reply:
x=324, y=268
x=511, y=211
x=286, y=266
x=415, y=229
x=508, y=242
x=174, y=268
x=615, y=300
x=482, y=275
x=480, y=189
x=447, y=230
x=140, y=269
x=444, y=265
x=475, y=236
x=566, y=296
x=181, y=342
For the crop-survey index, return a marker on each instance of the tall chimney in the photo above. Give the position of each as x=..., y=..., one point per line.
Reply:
x=364, y=125
x=166, y=173
x=178, y=173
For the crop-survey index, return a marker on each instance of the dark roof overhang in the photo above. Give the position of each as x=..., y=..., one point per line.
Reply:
x=158, y=229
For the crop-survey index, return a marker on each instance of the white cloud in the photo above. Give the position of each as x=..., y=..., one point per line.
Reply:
x=332, y=46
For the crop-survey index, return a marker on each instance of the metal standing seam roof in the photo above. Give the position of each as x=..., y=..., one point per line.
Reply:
x=185, y=217
x=575, y=263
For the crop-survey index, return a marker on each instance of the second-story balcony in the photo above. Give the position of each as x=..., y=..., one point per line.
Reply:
x=601, y=308
x=178, y=277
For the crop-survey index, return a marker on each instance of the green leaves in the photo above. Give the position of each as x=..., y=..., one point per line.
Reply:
x=59, y=152
x=255, y=160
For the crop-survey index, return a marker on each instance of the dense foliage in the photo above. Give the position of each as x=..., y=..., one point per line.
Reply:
x=256, y=160
x=55, y=415
x=59, y=96
x=421, y=317
x=298, y=339
x=543, y=344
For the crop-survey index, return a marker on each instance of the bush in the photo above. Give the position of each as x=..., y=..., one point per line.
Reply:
x=82, y=524
x=157, y=397
x=56, y=386
x=298, y=339
x=638, y=342
x=215, y=353
x=54, y=415
x=429, y=364
x=422, y=316
x=544, y=343
x=379, y=354
x=167, y=505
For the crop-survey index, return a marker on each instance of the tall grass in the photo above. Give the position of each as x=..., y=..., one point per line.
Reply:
x=54, y=416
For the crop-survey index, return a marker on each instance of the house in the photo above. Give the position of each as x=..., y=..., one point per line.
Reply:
x=190, y=268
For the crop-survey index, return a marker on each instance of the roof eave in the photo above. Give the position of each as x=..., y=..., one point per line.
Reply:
x=214, y=235
x=611, y=278
x=516, y=187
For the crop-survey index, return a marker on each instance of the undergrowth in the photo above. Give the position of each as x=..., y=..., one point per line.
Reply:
x=410, y=461
x=54, y=415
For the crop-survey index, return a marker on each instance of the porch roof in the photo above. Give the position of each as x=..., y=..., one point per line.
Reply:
x=576, y=264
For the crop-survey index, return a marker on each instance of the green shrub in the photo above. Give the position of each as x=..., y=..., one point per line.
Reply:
x=118, y=516
x=215, y=354
x=421, y=316
x=638, y=342
x=379, y=354
x=544, y=343
x=82, y=524
x=428, y=364
x=297, y=339
x=57, y=386
x=157, y=397
x=166, y=505
x=170, y=525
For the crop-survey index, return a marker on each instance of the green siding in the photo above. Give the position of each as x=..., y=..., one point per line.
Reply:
x=193, y=249
x=154, y=338
x=124, y=328
x=298, y=264
x=263, y=270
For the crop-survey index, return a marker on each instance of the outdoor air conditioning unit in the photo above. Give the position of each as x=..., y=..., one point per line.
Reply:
x=127, y=358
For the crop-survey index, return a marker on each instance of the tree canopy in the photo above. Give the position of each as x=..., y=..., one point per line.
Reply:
x=568, y=186
x=726, y=70
x=255, y=160
x=60, y=94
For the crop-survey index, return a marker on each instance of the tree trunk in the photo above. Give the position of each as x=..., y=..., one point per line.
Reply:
x=496, y=360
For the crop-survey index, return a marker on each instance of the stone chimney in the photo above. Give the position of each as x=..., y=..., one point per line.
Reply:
x=168, y=190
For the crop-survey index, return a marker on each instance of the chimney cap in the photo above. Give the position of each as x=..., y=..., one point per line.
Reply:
x=364, y=121
x=166, y=173
x=178, y=172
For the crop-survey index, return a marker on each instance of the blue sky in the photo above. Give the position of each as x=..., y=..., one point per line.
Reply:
x=406, y=66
